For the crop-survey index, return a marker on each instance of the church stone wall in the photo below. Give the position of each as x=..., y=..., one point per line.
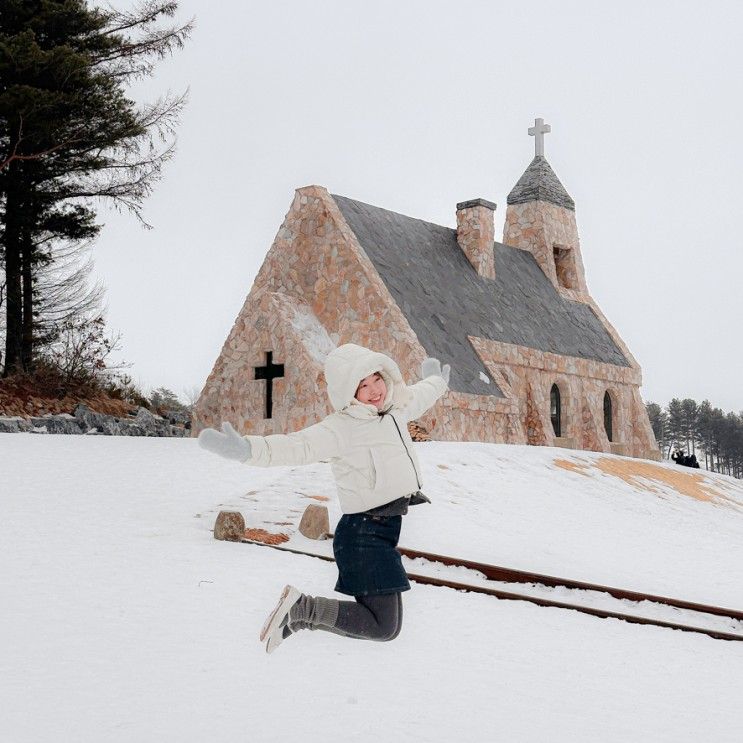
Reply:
x=582, y=384
x=463, y=417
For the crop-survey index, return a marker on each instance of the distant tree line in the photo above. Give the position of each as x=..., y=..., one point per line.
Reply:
x=700, y=429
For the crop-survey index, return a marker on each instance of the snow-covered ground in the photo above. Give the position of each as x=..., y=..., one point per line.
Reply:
x=122, y=619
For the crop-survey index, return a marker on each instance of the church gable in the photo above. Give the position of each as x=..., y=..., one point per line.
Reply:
x=269, y=374
x=316, y=259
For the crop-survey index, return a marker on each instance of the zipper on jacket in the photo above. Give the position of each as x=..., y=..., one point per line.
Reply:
x=404, y=446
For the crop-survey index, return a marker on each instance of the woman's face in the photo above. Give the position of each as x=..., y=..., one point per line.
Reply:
x=372, y=390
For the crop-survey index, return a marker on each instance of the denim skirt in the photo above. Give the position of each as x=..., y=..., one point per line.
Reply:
x=364, y=549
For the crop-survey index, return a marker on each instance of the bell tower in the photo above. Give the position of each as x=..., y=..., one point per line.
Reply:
x=540, y=218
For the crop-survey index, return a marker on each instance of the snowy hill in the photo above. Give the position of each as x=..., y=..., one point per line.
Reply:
x=124, y=620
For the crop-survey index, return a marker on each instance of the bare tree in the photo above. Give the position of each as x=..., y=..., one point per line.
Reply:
x=80, y=354
x=63, y=292
x=191, y=396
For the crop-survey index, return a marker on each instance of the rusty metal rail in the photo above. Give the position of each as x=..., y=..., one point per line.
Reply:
x=508, y=575
x=497, y=573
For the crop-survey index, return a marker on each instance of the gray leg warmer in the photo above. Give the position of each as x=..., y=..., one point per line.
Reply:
x=313, y=613
x=369, y=617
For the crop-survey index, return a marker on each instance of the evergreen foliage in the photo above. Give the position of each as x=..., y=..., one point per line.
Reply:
x=659, y=422
x=70, y=135
x=675, y=420
x=166, y=400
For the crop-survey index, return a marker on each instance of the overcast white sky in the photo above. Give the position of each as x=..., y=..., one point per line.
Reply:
x=414, y=106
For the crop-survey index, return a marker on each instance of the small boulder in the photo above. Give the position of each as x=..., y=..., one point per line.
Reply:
x=230, y=526
x=15, y=425
x=154, y=425
x=57, y=424
x=89, y=419
x=178, y=417
x=131, y=429
x=315, y=523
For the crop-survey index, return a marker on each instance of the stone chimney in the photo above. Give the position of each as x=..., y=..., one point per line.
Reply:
x=476, y=234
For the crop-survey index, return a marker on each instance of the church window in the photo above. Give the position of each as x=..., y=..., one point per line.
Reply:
x=556, y=410
x=565, y=267
x=608, y=416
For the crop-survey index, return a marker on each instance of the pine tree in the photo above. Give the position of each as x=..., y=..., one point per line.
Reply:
x=659, y=423
x=736, y=444
x=717, y=429
x=69, y=134
x=690, y=413
x=704, y=431
x=731, y=444
x=676, y=426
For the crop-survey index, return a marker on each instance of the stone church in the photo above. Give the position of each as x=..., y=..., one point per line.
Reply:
x=534, y=360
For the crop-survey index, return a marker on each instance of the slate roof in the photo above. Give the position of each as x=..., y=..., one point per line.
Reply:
x=539, y=183
x=444, y=299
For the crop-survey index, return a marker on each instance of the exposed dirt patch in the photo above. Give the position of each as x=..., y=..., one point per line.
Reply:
x=317, y=497
x=648, y=476
x=572, y=466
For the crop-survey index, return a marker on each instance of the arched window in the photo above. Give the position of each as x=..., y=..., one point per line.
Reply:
x=556, y=410
x=565, y=267
x=608, y=415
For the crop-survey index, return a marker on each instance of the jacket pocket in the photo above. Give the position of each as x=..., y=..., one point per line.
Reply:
x=378, y=474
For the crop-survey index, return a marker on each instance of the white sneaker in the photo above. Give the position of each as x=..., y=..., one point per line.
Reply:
x=275, y=639
x=272, y=625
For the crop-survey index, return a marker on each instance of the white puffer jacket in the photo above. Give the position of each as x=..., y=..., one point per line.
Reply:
x=371, y=455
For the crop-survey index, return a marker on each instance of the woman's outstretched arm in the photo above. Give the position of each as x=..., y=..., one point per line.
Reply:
x=313, y=444
x=425, y=393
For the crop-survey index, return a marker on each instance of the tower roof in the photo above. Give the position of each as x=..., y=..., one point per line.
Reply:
x=539, y=183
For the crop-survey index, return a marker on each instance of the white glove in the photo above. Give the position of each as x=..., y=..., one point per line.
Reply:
x=228, y=444
x=432, y=368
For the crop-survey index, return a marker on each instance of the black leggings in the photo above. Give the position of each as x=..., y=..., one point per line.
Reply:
x=371, y=617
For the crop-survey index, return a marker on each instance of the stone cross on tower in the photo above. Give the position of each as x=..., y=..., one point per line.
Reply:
x=269, y=372
x=538, y=131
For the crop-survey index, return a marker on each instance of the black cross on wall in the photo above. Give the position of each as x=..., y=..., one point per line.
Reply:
x=269, y=372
